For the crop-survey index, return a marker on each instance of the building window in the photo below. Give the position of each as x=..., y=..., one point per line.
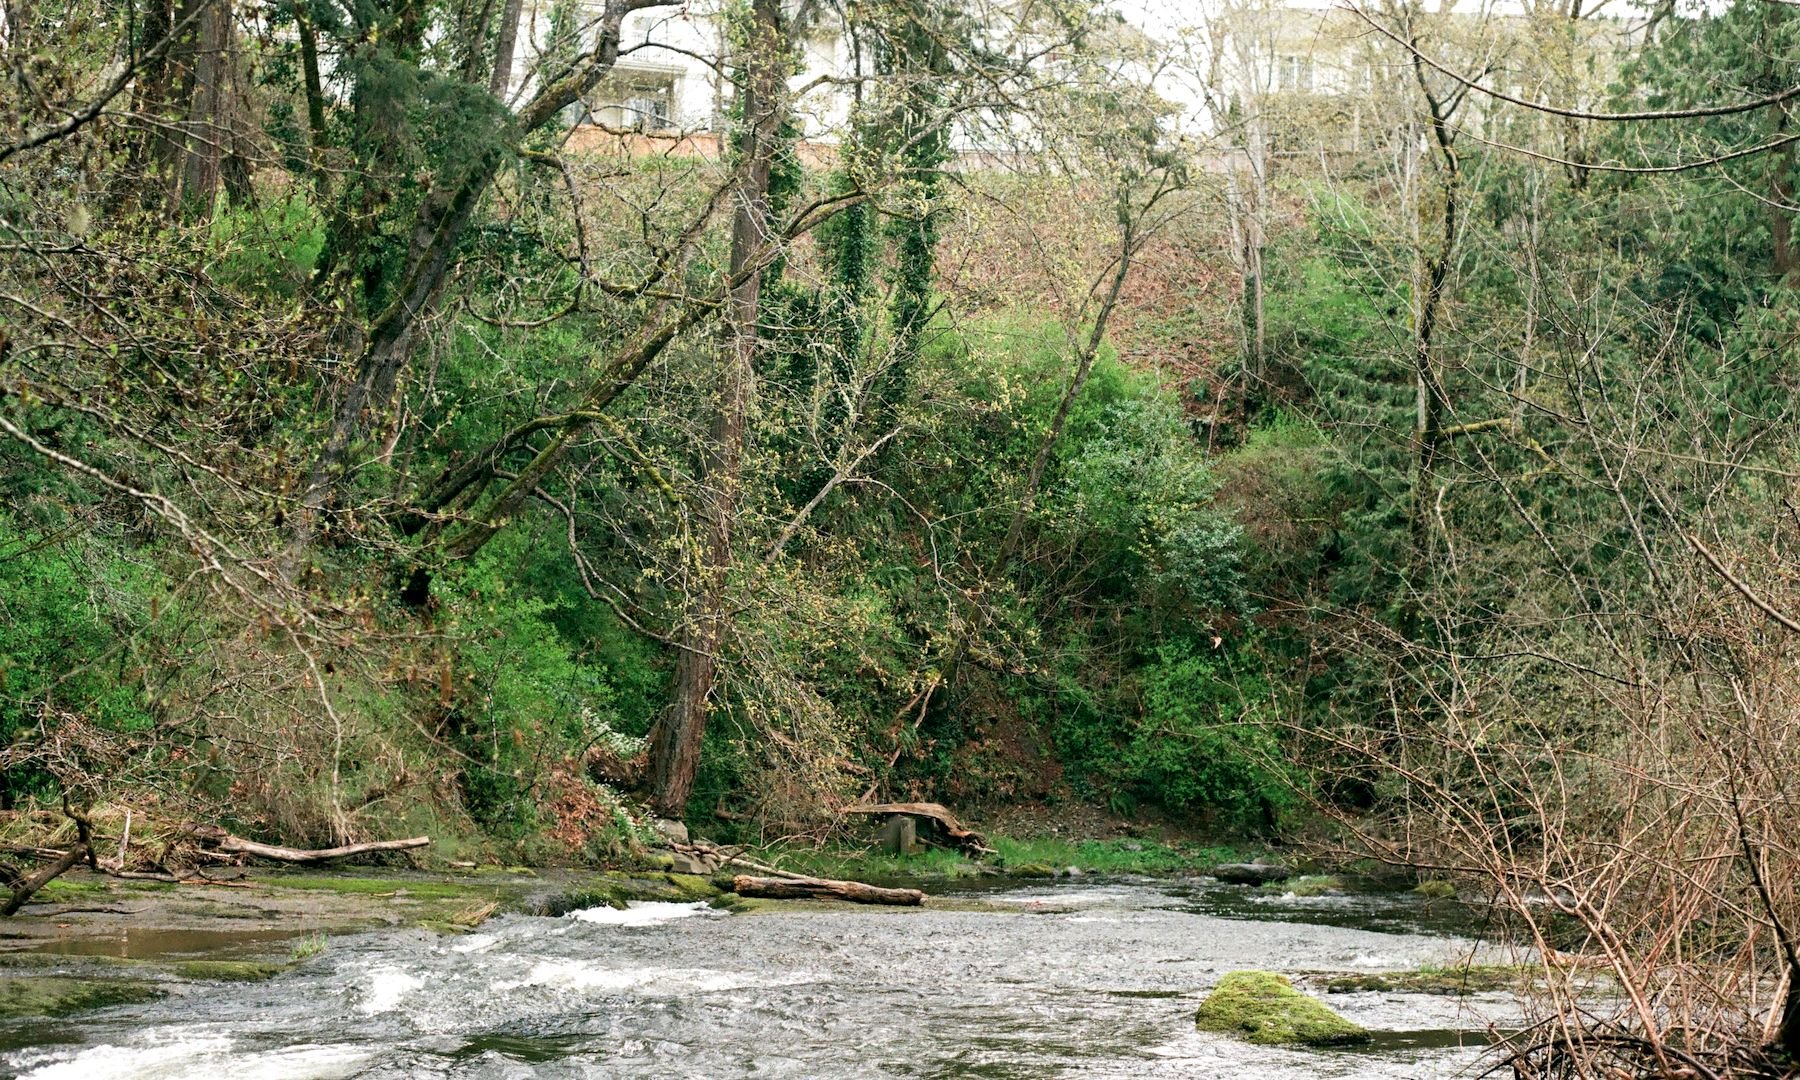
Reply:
x=1294, y=73
x=648, y=108
x=640, y=101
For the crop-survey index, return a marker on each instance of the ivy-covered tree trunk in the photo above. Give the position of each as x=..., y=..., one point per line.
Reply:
x=675, y=742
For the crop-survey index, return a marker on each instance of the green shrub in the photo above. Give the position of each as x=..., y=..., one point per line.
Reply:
x=524, y=699
x=1200, y=746
x=70, y=605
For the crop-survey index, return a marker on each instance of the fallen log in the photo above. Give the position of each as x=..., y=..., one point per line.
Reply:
x=823, y=889
x=933, y=818
x=225, y=842
x=23, y=887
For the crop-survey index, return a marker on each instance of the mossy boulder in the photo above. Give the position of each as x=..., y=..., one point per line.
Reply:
x=1032, y=870
x=1436, y=890
x=1307, y=885
x=692, y=886
x=56, y=995
x=1263, y=1007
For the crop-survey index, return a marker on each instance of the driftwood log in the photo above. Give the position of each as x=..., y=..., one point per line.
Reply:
x=24, y=886
x=17, y=887
x=934, y=820
x=20, y=886
x=823, y=889
x=226, y=843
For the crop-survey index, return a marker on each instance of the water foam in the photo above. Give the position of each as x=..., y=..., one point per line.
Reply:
x=179, y=1055
x=386, y=987
x=641, y=913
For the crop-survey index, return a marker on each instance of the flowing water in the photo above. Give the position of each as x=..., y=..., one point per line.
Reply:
x=1076, y=979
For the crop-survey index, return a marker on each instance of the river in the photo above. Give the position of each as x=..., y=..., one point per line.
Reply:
x=1085, y=978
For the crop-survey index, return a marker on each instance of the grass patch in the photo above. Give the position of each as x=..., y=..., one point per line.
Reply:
x=1263, y=1007
x=861, y=863
x=1456, y=981
x=1023, y=858
x=1111, y=856
x=63, y=890
x=307, y=947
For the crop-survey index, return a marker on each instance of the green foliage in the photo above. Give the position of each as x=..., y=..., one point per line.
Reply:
x=270, y=249
x=71, y=605
x=524, y=699
x=1201, y=744
x=1137, y=493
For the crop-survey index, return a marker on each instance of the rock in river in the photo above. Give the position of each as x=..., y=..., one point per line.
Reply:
x=1263, y=1007
x=1251, y=873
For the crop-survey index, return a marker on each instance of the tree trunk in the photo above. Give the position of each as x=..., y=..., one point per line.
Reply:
x=225, y=842
x=1084, y=366
x=1430, y=290
x=25, y=887
x=316, y=135
x=500, y=82
x=207, y=129
x=675, y=741
x=1781, y=217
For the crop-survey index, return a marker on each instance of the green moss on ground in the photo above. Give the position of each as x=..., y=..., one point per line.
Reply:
x=410, y=887
x=1018, y=858
x=1306, y=885
x=58, y=995
x=1469, y=979
x=229, y=970
x=692, y=886
x=1263, y=1007
x=65, y=890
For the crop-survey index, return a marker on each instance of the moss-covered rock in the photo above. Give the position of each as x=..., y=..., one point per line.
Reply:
x=1263, y=1007
x=692, y=886
x=1307, y=885
x=57, y=995
x=1436, y=890
x=1032, y=870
